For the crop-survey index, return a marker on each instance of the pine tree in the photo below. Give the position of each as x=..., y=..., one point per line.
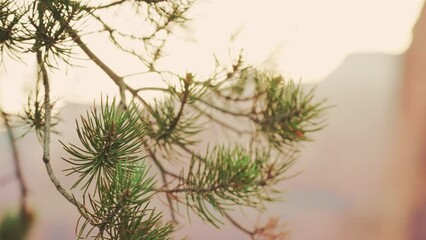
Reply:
x=132, y=149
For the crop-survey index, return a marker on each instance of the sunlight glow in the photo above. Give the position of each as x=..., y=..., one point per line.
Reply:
x=307, y=38
x=303, y=39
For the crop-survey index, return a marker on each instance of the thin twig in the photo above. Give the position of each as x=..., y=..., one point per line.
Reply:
x=237, y=225
x=107, y=5
x=236, y=114
x=175, y=121
x=164, y=178
x=222, y=123
x=120, y=2
x=152, y=89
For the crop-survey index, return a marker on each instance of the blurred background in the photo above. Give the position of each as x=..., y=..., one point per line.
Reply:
x=362, y=177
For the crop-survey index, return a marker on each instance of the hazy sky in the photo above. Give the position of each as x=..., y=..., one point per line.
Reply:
x=303, y=39
x=310, y=37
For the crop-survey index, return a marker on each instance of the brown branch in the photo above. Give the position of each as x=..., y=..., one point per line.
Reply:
x=120, y=2
x=18, y=168
x=166, y=90
x=175, y=121
x=107, y=5
x=226, y=111
x=222, y=123
x=163, y=173
x=238, y=225
x=46, y=142
x=118, y=80
x=263, y=182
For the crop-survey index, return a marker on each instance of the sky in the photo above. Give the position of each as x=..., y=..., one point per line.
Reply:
x=309, y=38
x=301, y=39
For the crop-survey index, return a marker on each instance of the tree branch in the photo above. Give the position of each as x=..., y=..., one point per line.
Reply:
x=114, y=76
x=222, y=123
x=46, y=142
x=237, y=225
x=18, y=168
x=120, y=2
x=163, y=173
x=226, y=111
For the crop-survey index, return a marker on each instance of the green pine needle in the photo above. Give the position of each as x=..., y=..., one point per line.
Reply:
x=107, y=137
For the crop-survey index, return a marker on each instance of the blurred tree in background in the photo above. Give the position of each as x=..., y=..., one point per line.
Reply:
x=132, y=149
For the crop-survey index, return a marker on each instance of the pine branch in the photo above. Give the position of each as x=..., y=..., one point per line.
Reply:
x=279, y=116
x=46, y=142
x=227, y=177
